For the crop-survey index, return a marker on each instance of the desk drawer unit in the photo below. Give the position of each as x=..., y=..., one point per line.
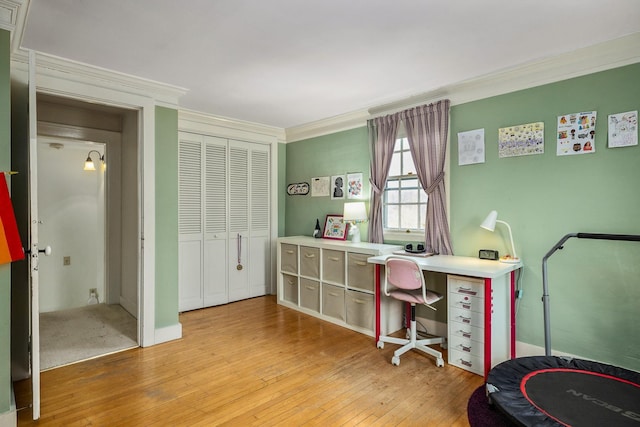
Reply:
x=361, y=274
x=465, y=297
x=333, y=266
x=310, y=262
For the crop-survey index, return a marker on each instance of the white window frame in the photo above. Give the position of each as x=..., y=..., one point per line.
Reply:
x=414, y=235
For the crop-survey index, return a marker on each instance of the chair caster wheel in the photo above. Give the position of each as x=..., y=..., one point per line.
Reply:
x=395, y=360
x=380, y=344
x=439, y=362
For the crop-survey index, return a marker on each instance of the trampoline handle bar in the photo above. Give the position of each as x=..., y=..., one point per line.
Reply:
x=545, y=285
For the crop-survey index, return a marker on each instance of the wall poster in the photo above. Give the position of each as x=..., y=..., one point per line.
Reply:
x=354, y=186
x=576, y=133
x=623, y=129
x=337, y=187
x=521, y=140
x=320, y=186
x=471, y=147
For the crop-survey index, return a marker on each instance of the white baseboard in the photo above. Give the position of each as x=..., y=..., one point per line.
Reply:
x=168, y=333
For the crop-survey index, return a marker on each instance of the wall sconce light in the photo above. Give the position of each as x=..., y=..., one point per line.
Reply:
x=490, y=224
x=89, y=165
x=355, y=213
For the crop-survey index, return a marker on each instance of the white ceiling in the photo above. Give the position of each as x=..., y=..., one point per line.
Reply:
x=287, y=63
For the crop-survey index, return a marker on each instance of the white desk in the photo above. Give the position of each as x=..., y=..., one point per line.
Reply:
x=496, y=275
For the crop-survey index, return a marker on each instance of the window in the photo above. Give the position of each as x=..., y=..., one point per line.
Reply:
x=404, y=204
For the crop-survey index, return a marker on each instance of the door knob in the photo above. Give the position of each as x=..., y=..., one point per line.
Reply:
x=46, y=251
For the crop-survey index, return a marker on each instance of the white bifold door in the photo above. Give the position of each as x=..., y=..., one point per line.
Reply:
x=223, y=217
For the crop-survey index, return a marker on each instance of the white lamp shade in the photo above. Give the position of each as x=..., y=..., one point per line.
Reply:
x=88, y=165
x=355, y=211
x=489, y=222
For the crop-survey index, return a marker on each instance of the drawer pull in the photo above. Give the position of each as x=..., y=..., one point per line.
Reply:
x=310, y=255
x=468, y=291
x=359, y=301
x=361, y=263
x=333, y=294
x=464, y=319
x=465, y=334
x=466, y=363
x=466, y=305
x=290, y=282
x=311, y=288
x=290, y=252
x=334, y=258
x=466, y=348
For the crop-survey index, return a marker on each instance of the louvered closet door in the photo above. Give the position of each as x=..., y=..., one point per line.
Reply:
x=215, y=224
x=249, y=247
x=260, y=241
x=190, y=222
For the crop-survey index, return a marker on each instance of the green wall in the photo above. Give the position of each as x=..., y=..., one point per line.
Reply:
x=5, y=269
x=336, y=154
x=594, y=285
x=282, y=178
x=166, y=193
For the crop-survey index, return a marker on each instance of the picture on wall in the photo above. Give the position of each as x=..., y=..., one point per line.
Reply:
x=355, y=186
x=471, y=147
x=335, y=228
x=576, y=133
x=320, y=186
x=521, y=140
x=337, y=187
x=623, y=129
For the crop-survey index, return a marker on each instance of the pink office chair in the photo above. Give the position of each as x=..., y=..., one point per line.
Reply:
x=407, y=284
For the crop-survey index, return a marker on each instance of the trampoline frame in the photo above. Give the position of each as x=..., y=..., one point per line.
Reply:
x=545, y=285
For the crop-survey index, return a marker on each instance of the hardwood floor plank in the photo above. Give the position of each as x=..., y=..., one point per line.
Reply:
x=254, y=362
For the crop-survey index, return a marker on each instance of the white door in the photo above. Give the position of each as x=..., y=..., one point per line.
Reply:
x=215, y=221
x=33, y=239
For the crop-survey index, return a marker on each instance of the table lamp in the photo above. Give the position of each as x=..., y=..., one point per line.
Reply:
x=489, y=223
x=354, y=213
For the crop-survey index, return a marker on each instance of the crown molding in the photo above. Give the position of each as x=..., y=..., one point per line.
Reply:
x=339, y=123
x=203, y=123
x=9, y=13
x=600, y=57
x=65, y=69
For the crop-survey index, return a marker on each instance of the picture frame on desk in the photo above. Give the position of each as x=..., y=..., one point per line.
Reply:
x=335, y=228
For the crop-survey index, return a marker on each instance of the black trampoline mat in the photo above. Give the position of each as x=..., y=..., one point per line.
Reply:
x=583, y=398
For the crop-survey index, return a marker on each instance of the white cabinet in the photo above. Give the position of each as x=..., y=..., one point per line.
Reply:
x=478, y=326
x=223, y=217
x=332, y=280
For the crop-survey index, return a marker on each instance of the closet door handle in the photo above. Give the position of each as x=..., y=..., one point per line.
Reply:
x=309, y=255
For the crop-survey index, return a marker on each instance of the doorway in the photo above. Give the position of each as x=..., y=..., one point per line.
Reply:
x=76, y=323
x=89, y=285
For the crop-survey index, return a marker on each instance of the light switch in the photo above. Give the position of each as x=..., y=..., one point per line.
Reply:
x=66, y=260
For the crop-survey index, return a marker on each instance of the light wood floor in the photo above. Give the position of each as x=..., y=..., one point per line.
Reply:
x=254, y=362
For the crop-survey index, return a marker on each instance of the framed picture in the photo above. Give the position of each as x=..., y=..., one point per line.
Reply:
x=335, y=228
x=337, y=187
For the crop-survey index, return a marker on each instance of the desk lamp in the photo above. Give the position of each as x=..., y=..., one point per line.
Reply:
x=354, y=213
x=490, y=224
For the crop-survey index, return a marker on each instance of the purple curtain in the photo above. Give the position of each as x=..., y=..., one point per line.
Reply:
x=382, y=139
x=427, y=129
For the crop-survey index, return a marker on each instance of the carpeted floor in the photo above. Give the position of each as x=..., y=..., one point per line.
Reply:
x=481, y=414
x=83, y=333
